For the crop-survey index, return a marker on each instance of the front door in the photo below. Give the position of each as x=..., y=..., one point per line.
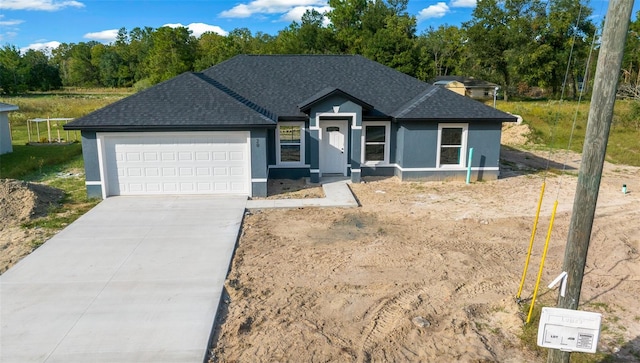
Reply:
x=333, y=147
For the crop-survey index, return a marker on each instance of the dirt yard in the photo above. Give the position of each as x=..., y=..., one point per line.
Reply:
x=22, y=202
x=421, y=272
x=428, y=272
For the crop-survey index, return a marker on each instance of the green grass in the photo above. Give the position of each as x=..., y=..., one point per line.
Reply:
x=59, y=165
x=31, y=163
x=52, y=105
x=552, y=121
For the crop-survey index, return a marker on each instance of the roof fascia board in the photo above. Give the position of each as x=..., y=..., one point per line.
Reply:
x=170, y=128
x=455, y=120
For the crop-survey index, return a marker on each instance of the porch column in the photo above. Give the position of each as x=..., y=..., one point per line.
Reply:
x=314, y=151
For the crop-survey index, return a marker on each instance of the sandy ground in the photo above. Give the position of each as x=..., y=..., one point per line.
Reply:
x=421, y=272
x=428, y=272
x=22, y=202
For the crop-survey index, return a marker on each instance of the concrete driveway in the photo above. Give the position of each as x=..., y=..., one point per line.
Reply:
x=136, y=279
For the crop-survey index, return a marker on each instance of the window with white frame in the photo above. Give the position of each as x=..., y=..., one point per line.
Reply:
x=375, y=143
x=452, y=145
x=290, y=138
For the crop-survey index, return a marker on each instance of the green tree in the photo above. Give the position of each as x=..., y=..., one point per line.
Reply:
x=563, y=44
x=38, y=73
x=346, y=23
x=11, y=81
x=173, y=52
x=309, y=36
x=75, y=64
x=498, y=33
x=442, y=51
x=140, y=43
x=210, y=50
x=393, y=42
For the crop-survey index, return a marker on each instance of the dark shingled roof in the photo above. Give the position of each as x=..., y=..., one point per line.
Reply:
x=257, y=90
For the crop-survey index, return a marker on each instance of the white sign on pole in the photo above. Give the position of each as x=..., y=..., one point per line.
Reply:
x=569, y=330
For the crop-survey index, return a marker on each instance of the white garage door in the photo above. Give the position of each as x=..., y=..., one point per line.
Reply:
x=176, y=163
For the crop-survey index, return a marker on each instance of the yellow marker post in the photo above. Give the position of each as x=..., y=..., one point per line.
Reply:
x=544, y=255
x=533, y=234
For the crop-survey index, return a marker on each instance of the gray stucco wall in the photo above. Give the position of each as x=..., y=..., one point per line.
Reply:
x=417, y=144
x=484, y=138
x=259, y=162
x=5, y=134
x=91, y=164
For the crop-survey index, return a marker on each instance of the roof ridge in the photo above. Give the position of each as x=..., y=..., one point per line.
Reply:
x=297, y=55
x=413, y=103
x=238, y=97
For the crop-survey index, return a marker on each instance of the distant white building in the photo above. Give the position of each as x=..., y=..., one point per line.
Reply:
x=5, y=131
x=468, y=86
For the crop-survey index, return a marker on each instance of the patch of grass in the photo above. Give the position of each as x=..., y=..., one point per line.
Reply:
x=31, y=162
x=601, y=306
x=58, y=165
x=551, y=123
x=529, y=335
x=67, y=176
x=54, y=105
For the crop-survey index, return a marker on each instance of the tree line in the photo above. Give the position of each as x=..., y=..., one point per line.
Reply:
x=525, y=46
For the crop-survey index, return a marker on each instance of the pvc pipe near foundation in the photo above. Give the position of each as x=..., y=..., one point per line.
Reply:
x=469, y=166
x=533, y=234
x=544, y=256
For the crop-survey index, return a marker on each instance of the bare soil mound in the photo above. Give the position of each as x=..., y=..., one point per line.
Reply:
x=21, y=202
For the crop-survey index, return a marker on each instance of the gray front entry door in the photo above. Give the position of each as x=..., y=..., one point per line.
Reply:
x=333, y=147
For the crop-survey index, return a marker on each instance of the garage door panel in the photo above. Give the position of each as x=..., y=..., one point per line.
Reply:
x=150, y=156
x=177, y=164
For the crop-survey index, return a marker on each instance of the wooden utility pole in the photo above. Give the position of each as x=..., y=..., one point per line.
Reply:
x=595, y=145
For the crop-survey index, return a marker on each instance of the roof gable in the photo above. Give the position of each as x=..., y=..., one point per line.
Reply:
x=330, y=92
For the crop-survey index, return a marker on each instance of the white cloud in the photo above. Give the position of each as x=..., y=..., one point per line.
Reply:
x=463, y=3
x=46, y=47
x=44, y=5
x=198, y=29
x=106, y=36
x=434, y=11
x=9, y=28
x=10, y=22
x=270, y=7
x=296, y=13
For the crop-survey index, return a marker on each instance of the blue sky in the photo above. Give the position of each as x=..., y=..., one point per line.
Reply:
x=46, y=23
